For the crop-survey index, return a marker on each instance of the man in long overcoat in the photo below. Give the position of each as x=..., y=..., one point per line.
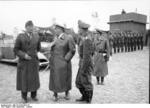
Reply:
x=26, y=47
x=101, y=57
x=86, y=50
x=62, y=51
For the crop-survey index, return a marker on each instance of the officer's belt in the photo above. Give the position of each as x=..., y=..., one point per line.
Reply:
x=102, y=52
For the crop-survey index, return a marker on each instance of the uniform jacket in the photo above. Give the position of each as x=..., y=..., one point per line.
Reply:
x=86, y=50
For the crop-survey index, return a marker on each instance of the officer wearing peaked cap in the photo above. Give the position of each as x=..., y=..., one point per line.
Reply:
x=62, y=51
x=101, y=57
x=86, y=50
x=83, y=25
x=26, y=47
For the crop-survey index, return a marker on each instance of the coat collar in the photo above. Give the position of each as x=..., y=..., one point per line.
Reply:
x=61, y=36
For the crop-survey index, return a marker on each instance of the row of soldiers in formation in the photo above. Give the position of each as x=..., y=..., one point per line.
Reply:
x=126, y=41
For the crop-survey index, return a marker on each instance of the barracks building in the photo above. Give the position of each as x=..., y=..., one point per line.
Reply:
x=128, y=22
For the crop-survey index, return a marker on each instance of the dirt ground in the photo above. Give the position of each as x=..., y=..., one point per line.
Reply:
x=127, y=82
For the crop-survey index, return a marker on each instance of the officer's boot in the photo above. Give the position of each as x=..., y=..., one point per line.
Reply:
x=114, y=50
x=122, y=49
x=24, y=96
x=142, y=47
x=83, y=97
x=89, y=96
x=55, y=96
x=138, y=47
x=102, y=80
x=97, y=78
x=128, y=49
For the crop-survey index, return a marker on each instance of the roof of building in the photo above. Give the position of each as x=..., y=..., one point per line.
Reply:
x=128, y=17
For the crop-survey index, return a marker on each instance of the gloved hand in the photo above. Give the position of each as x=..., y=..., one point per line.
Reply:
x=27, y=57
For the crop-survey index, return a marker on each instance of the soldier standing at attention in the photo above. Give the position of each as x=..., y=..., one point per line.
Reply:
x=141, y=41
x=118, y=42
x=114, y=42
x=134, y=37
x=132, y=41
x=138, y=41
x=129, y=42
x=121, y=41
x=126, y=42
x=86, y=51
x=26, y=47
x=110, y=43
x=110, y=40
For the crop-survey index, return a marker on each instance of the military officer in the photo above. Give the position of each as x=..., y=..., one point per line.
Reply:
x=86, y=50
x=126, y=42
x=132, y=41
x=101, y=57
x=135, y=42
x=118, y=41
x=110, y=39
x=121, y=41
x=26, y=47
x=129, y=42
x=114, y=42
x=141, y=41
x=62, y=51
x=138, y=41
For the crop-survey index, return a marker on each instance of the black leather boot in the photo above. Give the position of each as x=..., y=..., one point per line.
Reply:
x=89, y=96
x=82, y=97
x=97, y=78
x=33, y=96
x=55, y=96
x=24, y=96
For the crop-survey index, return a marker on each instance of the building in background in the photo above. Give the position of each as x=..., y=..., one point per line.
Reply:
x=132, y=21
x=128, y=22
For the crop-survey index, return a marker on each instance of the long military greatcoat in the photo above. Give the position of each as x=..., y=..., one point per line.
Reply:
x=60, y=64
x=100, y=62
x=83, y=79
x=27, y=70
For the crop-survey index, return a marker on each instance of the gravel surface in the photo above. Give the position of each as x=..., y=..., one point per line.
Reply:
x=127, y=82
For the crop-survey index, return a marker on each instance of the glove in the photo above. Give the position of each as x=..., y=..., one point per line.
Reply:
x=27, y=57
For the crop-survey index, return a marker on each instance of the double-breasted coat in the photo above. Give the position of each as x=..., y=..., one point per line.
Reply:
x=60, y=64
x=100, y=60
x=27, y=70
x=83, y=79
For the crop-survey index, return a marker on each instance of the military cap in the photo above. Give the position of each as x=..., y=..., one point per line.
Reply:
x=29, y=23
x=83, y=25
x=61, y=26
x=99, y=31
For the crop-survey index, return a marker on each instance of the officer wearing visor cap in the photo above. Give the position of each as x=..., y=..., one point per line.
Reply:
x=86, y=50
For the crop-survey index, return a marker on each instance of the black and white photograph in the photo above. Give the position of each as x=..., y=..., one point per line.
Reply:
x=74, y=52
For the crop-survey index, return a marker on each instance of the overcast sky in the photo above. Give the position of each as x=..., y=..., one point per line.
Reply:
x=16, y=13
